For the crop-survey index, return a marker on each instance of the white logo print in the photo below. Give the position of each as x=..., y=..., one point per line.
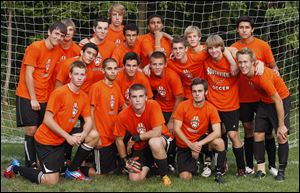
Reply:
x=187, y=73
x=74, y=110
x=162, y=91
x=141, y=128
x=194, y=124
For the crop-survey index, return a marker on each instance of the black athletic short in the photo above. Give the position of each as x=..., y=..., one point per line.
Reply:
x=26, y=116
x=145, y=155
x=167, y=116
x=106, y=159
x=51, y=157
x=266, y=117
x=247, y=111
x=230, y=120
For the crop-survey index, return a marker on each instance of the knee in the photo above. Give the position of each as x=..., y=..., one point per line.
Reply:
x=259, y=136
x=218, y=144
x=185, y=175
x=232, y=135
x=248, y=128
x=93, y=135
x=50, y=179
x=135, y=178
x=155, y=143
x=30, y=130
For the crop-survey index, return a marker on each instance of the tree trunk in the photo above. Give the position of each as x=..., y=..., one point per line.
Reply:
x=142, y=24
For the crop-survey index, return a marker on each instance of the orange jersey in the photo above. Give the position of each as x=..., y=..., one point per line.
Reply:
x=263, y=53
x=148, y=44
x=107, y=101
x=195, y=120
x=72, y=51
x=106, y=48
x=43, y=60
x=151, y=118
x=125, y=84
x=268, y=84
x=223, y=89
x=191, y=69
x=66, y=107
x=115, y=36
x=121, y=50
x=168, y=87
x=64, y=70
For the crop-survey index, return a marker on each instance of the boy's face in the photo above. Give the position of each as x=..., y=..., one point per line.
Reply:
x=101, y=30
x=245, y=30
x=116, y=18
x=70, y=33
x=157, y=66
x=245, y=63
x=130, y=37
x=56, y=36
x=193, y=39
x=89, y=55
x=155, y=24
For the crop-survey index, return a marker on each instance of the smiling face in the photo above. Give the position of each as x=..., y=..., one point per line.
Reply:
x=245, y=64
x=55, y=37
x=157, y=66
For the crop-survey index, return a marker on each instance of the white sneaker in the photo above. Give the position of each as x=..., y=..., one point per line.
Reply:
x=249, y=170
x=206, y=171
x=273, y=171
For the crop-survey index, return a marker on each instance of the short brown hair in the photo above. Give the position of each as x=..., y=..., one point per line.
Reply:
x=246, y=51
x=215, y=41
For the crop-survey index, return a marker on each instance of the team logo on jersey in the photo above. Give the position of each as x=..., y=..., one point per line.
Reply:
x=47, y=67
x=141, y=128
x=194, y=124
x=111, y=105
x=162, y=91
x=98, y=60
x=74, y=110
x=187, y=73
x=118, y=41
x=62, y=58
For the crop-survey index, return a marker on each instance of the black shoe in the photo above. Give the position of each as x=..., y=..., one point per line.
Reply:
x=218, y=179
x=260, y=175
x=280, y=176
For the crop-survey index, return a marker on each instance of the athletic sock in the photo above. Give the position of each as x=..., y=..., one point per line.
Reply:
x=259, y=151
x=283, y=154
x=271, y=151
x=29, y=173
x=225, y=139
x=221, y=156
x=239, y=157
x=82, y=153
x=68, y=150
x=248, y=147
x=30, y=151
x=162, y=165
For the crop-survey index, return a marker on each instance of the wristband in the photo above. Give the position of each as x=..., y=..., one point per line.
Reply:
x=136, y=138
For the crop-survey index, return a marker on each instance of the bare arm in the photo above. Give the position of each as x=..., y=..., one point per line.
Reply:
x=213, y=135
x=230, y=54
x=35, y=105
x=58, y=84
x=53, y=126
x=155, y=132
x=93, y=122
x=121, y=147
x=282, y=130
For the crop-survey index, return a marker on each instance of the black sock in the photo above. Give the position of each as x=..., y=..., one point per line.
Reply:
x=248, y=147
x=162, y=165
x=225, y=139
x=221, y=156
x=29, y=173
x=81, y=154
x=271, y=151
x=30, y=152
x=283, y=154
x=85, y=170
x=68, y=150
x=259, y=151
x=239, y=157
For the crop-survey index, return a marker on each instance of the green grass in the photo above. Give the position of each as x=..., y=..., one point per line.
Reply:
x=121, y=183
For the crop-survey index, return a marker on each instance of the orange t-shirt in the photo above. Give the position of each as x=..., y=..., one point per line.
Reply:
x=72, y=51
x=268, y=84
x=107, y=102
x=191, y=69
x=151, y=117
x=43, y=60
x=121, y=50
x=125, y=84
x=263, y=53
x=168, y=87
x=106, y=48
x=148, y=44
x=115, y=36
x=64, y=70
x=66, y=107
x=223, y=89
x=195, y=120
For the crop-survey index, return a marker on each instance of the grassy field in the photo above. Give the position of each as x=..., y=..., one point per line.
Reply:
x=153, y=184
